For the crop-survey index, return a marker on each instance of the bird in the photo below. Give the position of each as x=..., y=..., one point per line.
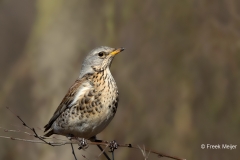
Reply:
x=91, y=102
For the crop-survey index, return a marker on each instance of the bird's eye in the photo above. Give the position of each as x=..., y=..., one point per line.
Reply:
x=100, y=54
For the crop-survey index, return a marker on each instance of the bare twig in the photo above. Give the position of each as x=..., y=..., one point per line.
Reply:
x=103, y=152
x=32, y=129
x=29, y=134
x=17, y=131
x=144, y=152
x=73, y=152
x=74, y=141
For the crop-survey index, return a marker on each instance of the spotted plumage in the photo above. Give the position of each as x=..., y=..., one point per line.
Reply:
x=91, y=102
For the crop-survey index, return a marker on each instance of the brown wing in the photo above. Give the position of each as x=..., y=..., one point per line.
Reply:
x=80, y=87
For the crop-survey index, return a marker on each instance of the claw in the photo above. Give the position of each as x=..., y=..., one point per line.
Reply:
x=113, y=145
x=82, y=143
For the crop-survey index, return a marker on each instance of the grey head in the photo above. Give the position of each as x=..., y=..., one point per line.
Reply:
x=99, y=59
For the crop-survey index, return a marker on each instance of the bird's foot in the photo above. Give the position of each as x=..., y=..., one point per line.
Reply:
x=113, y=145
x=82, y=143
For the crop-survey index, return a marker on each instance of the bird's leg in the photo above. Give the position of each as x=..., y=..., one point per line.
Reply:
x=112, y=155
x=113, y=145
x=94, y=139
x=70, y=137
x=82, y=143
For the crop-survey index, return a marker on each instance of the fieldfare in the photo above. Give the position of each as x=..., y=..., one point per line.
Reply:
x=91, y=102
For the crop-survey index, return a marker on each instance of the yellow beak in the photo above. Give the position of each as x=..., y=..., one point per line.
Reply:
x=116, y=51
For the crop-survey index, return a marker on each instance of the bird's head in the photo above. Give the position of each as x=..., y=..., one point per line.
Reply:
x=99, y=59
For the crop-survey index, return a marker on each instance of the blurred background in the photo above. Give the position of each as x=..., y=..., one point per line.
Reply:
x=179, y=77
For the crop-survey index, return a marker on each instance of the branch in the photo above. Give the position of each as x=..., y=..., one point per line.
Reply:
x=42, y=140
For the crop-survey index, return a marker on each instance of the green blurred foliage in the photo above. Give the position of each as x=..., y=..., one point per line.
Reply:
x=179, y=77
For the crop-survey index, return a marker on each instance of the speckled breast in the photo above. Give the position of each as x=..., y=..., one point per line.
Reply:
x=93, y=112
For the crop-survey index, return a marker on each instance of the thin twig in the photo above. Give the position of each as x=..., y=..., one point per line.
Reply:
x=32, y=129
x=144, y=152
x=99, y=146
x=29, y=134
x=94, y=143
x=103, y=150
x=104, y=153
x=17, y=131
x=98, y=143
x=73, y=152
